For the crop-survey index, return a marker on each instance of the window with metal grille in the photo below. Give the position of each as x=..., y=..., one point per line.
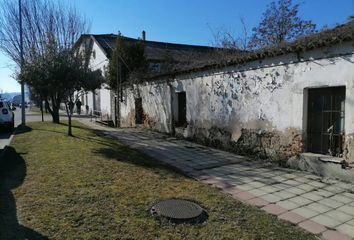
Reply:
x=325, y=132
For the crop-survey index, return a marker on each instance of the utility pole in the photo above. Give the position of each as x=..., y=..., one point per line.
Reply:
x=23, y=113
x=118, y=93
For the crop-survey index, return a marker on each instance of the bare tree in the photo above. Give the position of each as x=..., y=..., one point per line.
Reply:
x=225, y=39
x=57, y=75
x=44, y=22
x=280, y=22
x=40, y=18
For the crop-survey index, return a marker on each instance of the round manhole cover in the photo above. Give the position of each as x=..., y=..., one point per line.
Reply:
x=177, y=209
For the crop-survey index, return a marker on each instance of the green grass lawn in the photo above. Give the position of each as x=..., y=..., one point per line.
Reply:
x=93, y=187
x=35, y=109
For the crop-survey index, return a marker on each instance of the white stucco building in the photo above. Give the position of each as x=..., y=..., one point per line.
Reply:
x=103, y=101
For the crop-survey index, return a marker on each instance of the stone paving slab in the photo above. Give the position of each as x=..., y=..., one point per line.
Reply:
x=292, y=217
x=321, y=206
x=312, y=227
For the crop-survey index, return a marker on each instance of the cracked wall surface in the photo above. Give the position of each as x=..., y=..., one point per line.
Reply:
x=257, y=108
x=156, y=106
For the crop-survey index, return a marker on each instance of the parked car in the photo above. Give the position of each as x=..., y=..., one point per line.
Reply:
x=26, y=105
x=7, y=117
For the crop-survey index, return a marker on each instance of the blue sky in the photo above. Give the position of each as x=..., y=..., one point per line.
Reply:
x=184, y=21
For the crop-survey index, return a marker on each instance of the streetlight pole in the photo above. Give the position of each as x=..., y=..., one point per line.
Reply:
x=23, y=113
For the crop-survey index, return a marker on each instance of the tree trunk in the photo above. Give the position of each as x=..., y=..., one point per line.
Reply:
x=69, y=126
x=55, y=115
x=54, y=111
x=68, y=113
x=41, y=107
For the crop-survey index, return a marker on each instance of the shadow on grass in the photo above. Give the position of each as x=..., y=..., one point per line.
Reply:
x=123, y=153
x=113, y=149
x=22, y=129
x=12, y=175
x=192, y=221
x=64, y=132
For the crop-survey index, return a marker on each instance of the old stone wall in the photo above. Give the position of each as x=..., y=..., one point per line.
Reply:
x=349, y=149
x=264, y=144
x=257, y=108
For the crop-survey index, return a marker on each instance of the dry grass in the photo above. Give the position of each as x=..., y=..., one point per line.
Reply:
x=91, y=187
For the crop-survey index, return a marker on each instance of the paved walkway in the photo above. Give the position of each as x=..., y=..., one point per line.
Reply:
x=321, y=206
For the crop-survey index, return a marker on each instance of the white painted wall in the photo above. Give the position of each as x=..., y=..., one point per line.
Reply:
x=102, y=100
x=265, y=95
x=89, y=102
x=105, y=103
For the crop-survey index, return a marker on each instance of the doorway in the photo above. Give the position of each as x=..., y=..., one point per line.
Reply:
x=139, y=112
x=182, y=109
x=325, y=131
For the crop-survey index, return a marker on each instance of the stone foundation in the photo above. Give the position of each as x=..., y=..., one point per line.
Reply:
x=273, y=145
x=348, y=153
x=270, y=145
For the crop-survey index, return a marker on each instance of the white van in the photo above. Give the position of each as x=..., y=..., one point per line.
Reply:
x=7, y=117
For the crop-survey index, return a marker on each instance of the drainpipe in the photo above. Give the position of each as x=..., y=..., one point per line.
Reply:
x=94, y=101
x=172, y=122
x=115, y=110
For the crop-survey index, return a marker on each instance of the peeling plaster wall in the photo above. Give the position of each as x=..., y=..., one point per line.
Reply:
x=156, y=106
x=127, y=109
x=257, y=108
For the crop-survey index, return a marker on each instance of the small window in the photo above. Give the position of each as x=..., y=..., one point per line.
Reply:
x=94, y=54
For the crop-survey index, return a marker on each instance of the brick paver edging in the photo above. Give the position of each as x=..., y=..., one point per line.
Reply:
x=274, y=209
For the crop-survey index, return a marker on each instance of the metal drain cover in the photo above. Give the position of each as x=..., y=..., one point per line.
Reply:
x=177, y=209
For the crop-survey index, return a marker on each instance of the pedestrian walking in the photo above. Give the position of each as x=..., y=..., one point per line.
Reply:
x=78, y=107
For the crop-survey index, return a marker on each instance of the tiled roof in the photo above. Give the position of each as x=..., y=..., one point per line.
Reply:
x=154, y=51
x=325, y=38
x=198, y=58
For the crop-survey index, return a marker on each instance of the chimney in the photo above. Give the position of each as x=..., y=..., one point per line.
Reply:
x=143, y=35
